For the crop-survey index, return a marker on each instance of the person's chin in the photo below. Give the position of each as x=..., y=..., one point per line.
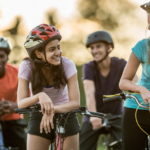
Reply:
x=56, y=64
x=2, y=68
x=97, y=60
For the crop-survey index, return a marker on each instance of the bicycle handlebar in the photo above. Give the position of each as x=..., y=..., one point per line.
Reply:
x=111, y=99
x=82, y=110
x=26, y=111
x=123, y=96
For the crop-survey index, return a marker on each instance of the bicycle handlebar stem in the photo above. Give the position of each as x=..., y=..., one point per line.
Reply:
x=137, y=101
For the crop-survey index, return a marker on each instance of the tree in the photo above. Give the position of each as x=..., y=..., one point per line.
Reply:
x=105, y=12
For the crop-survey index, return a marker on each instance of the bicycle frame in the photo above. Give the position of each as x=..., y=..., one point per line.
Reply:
x=108, y=121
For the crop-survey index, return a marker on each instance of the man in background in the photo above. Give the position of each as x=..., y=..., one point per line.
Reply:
x=101, y=76
x=12, y=124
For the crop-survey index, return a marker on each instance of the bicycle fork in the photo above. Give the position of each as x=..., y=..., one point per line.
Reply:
x=59, y=130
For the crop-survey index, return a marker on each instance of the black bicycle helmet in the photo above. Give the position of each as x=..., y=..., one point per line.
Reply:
x=146, y=6
x=98, y=37
x=4, y=45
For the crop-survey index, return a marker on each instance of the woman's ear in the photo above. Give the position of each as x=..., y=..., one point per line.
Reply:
x=38, y=54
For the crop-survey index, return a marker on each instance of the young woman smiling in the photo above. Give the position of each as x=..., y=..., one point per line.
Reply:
x=52, y=80
x=132, y=136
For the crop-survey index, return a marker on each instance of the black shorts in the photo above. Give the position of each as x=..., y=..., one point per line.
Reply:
x=71, y=128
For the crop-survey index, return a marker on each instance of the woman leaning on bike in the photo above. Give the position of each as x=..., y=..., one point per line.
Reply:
x=133, y=137
x=52, y=79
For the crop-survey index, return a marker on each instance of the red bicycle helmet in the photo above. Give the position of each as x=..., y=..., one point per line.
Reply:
x=40, y=36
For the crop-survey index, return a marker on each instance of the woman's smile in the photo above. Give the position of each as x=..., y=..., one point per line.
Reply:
x=56, y=58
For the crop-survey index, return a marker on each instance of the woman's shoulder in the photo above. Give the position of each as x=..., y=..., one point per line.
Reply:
x=141, y=49
x=66, y=61
x=25, y=64
x=25, y=69
x=69, y=67
x=143, y=43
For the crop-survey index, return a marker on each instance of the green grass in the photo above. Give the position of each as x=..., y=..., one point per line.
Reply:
x=101, y=148
x=100, y=145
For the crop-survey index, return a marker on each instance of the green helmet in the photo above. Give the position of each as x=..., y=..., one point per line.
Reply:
x=4, y=45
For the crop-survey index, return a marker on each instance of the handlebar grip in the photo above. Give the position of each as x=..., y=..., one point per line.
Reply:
x=112, y=99
x=23, y=111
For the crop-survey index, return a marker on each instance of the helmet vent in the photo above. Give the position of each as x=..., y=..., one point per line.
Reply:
x=33, y=33
x=53, y=29
x=27, y=41
x=43, y=33
x=36, y=38
x=41, y=27
x=49, y=30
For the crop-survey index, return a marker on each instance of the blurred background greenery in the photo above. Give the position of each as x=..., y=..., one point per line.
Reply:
x=75, y=19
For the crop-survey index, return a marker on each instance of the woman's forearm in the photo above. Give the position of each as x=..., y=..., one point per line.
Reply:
x=127, y=85
x=66, y=107
x=29, y=101
x=91, y=103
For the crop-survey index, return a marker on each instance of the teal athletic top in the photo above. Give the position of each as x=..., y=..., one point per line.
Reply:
x=140, y=50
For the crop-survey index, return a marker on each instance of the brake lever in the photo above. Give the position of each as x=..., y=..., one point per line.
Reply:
x=86, y=113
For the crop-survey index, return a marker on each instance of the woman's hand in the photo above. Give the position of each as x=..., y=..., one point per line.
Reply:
x=145, y=94
x=46, y=104
x=47, y=120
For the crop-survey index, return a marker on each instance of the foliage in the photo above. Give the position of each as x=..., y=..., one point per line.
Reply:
x=105, y=12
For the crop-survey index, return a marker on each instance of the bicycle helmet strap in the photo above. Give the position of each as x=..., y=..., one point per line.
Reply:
x=47, y=63
x=42, y=62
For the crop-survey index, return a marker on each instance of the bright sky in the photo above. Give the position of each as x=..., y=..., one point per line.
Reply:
x=33, y=10
x=140, y=1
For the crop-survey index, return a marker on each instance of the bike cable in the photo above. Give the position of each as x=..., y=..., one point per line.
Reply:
x=137, y=119
x=127, y=92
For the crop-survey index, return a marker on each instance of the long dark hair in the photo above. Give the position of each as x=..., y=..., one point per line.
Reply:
x=38, y=81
